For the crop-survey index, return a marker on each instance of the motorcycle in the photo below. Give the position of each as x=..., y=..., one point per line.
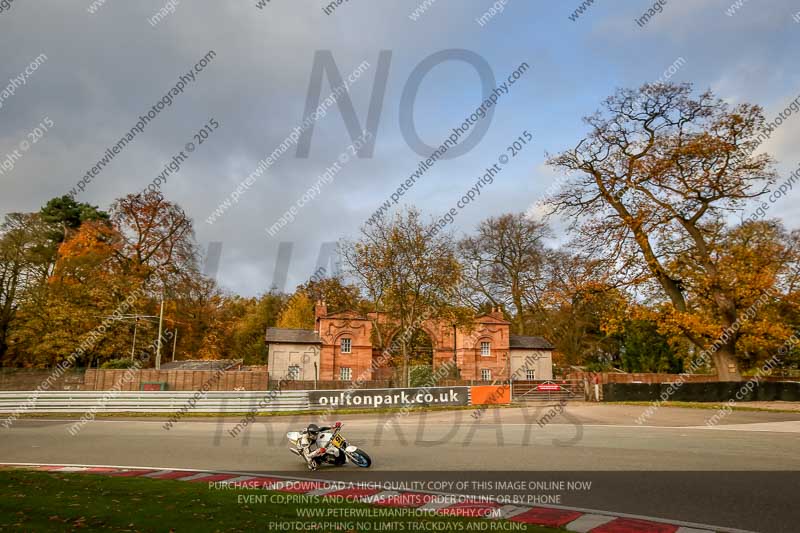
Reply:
x=332, y=448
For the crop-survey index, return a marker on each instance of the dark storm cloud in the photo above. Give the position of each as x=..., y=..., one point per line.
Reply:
x=105, y=69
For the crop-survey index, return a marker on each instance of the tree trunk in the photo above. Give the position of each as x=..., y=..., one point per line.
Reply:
x=723, y=359
x=5, y=326
x=519, y=320
x=404, y=379
x=3, y=345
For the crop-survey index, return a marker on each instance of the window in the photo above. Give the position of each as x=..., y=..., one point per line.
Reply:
x=486, y=374
x=486, y=349
x=346, y=345
x=530, y=375
x=294, y=372
x=345, y=374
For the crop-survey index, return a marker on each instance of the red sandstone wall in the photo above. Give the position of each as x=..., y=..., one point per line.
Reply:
x=177, y=380
x=332, y=360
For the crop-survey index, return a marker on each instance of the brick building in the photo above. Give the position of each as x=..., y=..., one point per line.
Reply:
x=341, y=348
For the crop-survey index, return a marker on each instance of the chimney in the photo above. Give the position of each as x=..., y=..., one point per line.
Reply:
x=497, y=313
x=320, y=310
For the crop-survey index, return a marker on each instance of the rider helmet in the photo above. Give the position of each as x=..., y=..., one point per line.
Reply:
x=312, y=429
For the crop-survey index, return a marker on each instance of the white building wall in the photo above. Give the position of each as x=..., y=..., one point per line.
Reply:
x=542, y=365
x=282, y=356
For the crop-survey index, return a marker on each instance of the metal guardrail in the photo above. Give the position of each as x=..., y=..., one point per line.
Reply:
x=223, y=401
x=151, y=402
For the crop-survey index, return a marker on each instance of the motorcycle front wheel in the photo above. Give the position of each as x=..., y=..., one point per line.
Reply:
x=360, y=458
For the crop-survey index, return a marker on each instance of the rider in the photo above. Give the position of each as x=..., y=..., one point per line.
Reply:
x=308, y=438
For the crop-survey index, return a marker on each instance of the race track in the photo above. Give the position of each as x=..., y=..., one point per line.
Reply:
x=741, y=473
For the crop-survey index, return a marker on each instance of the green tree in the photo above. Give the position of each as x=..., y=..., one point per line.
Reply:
x=644, y=349
x=66, y=215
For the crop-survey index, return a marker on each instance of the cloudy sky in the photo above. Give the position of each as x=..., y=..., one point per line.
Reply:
x=105, y=69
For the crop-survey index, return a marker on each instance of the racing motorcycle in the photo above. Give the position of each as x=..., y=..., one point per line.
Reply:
x=325, y=445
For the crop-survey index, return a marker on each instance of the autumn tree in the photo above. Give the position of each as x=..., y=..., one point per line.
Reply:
x=157, y=237
x=158, y=246
x=788, y=284
x=298, y=312
x=504, y=263
x=70, y=266
x=82, y=289
x=248, y=334
x=408, y=271
x=583, y=310
x=144, y=247
x=653, y=181
x=754, y=258
x=26, y=256
x=337, y=294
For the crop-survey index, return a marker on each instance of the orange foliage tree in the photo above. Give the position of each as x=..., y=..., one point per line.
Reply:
x=653, y=183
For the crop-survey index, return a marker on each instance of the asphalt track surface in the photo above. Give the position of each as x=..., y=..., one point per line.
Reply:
x=742, y=473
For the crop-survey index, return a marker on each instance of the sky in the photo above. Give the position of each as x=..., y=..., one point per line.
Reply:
x=103, y=64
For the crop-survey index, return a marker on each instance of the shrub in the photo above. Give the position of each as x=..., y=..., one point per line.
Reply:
x=421, y=376
x=117, y=363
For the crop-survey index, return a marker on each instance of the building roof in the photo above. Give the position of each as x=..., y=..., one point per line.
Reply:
x=530, y=343
x=352, y=315
x=490, y=319
x=293, y=336
x=203, y=364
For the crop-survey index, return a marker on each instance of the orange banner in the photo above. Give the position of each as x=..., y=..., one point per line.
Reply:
x=490, y=394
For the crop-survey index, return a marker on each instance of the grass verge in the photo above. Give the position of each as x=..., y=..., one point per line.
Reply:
x=39, y=501
x=707, y=405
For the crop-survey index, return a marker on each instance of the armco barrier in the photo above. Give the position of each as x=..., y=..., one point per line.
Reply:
x=224, y=402
x=150, y=402
x=721, y=391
